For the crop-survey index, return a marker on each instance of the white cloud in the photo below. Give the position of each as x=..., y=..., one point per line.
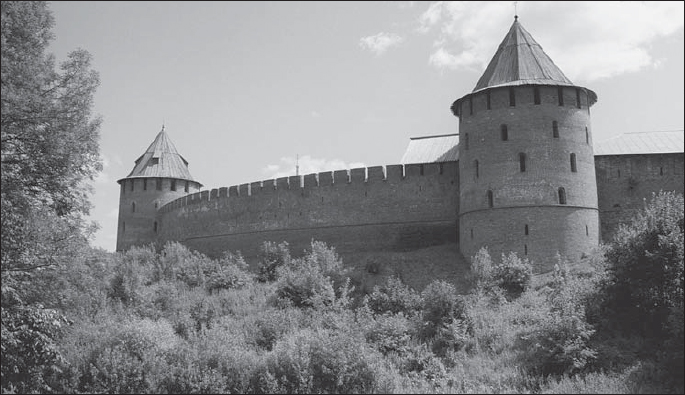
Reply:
x=316, y=114
x=308, y=165
x=587, y=40
x=380, y=42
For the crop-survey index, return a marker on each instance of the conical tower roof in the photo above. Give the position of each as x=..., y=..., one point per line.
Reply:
x=161, y=159
x=520, y=60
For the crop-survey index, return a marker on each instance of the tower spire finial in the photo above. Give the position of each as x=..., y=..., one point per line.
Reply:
x=516, y=13
x=162, y=125
x=297, y=165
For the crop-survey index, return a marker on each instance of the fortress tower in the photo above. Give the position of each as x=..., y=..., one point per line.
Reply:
x=159, y=176
x=526, y=164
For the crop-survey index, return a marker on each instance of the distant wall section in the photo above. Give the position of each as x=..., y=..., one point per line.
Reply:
x=625, y=181
x=382, y=208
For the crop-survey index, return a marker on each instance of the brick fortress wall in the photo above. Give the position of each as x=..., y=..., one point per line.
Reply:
x=624, y=182
x=382, y=208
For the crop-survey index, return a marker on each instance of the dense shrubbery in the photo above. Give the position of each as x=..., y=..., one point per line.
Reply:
x=178, y=321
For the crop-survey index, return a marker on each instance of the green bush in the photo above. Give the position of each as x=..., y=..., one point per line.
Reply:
x=440, y=307
x=271, y=257
x=394, y=297
x=324, y=361
x=513, y=274
x=312, y=280
x=559, y=344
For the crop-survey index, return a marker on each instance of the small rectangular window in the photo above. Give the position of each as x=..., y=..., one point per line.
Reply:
x=536, y=95
x=504, y=132
x=158, y=183
x=560, y=95
x=574, y=169
x=522, y=162
x=173, y=185
x=487, y=97
x=587, y=136
x=144, y=184
x=186, y=187
x=578, y=97
x=555, y=129
x=132, y=185
x=470, y=105
x=512, y=97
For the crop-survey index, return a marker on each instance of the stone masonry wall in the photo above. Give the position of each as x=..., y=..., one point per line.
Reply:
x=625, y=182
x=392, y=208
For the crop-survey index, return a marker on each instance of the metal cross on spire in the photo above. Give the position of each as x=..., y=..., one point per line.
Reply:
x=516, y=13
x=297, y=165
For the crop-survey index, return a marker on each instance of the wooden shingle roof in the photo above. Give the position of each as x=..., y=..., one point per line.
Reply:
x=161, y=159
x=520, y=60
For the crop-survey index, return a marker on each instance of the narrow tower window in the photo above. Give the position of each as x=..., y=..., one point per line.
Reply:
x=525, y=229
x=490, y=199
x=155, y=226
x=525, y=249
x=504, y=132
x=522, y=161
x=470, y=105
x=578, y=97
x=573, y=163
x=661, y=170
x=144, y=184
x=173, y=185
x=555, y=129
x=466, y=141
x=186, y=187
x=133, y=207
x=159, y=184
x=560, y=95
x=487, y=98
x=562, y=195
x=587, y=136
x=587, y=231
x=472, y=233
x=536, y=95
x=132, y=185
x=475, y=164
x=512, y=97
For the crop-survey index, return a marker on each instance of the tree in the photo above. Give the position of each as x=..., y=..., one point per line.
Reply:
x=49, y=150
x=49, y=142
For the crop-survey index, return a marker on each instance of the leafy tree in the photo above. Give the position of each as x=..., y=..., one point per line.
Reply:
x=644, y=292
x=48, y=151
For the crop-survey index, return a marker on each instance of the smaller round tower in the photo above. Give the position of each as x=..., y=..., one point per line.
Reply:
x=159, y=176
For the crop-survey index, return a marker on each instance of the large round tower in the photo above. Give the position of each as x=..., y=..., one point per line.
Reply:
x=526, y=164
x=159, y=176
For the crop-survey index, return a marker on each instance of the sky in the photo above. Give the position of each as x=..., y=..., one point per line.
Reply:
x=245, y=88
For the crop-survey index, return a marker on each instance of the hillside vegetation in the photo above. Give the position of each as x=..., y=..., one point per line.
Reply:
x=179, y=322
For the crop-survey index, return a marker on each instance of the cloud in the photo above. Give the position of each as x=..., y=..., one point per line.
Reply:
x=315, y=114
x=380, y=42
x=308, y=165
x=587, y=40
